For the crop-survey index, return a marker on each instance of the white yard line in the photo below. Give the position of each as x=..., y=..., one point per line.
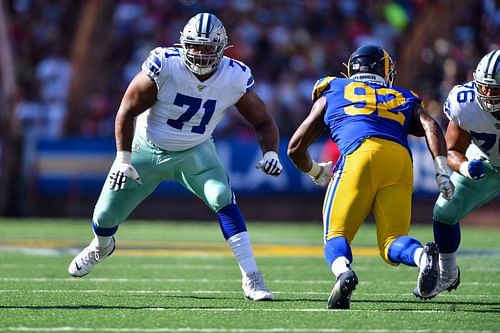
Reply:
x=196, y=292
x=229, y=330
x=212, y=281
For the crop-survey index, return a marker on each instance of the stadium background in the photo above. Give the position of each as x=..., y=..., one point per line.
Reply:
x=65, y=64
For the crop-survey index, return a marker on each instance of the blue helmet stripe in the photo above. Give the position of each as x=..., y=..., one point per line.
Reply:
x=492, y=64
x=494, y=67
x=209, y=25
x=205, y=25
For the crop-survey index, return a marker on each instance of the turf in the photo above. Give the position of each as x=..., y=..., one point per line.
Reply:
x=180, y=277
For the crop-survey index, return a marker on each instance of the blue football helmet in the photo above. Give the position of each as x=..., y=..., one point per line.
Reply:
x=203, y=41
x=371, y=62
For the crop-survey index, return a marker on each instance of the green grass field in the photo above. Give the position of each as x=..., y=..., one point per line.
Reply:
x=181, y=277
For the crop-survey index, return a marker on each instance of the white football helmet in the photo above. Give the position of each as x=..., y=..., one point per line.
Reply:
x=487, y=80
x=203, y=41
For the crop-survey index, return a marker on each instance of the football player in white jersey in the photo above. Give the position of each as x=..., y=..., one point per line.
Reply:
x=178, y=98
x=473, y=139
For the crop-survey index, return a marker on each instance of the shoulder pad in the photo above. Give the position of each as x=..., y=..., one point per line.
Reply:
x=153, y=63
x=451, y=106
x=320, y=86
x=239, y=71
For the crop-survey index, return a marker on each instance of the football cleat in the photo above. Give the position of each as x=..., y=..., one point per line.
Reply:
x=254, y=287
x=428, y=276
x=340, y=297
x=448, y=280
x=90, y=256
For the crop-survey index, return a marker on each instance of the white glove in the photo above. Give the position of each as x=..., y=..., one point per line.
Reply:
x=270, y=164
x=122, y=170
x=443, y=181
x=321, y=173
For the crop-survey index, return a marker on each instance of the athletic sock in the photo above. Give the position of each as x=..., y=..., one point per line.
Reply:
x=242, y=250
x=340, y=265
x=448, y=261
x=103, y=241
x=418, y=258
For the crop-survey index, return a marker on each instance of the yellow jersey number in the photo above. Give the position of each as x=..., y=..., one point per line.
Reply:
x=359, y=92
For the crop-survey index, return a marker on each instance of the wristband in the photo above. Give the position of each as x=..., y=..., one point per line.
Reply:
x=441, y=165
x=316, y=169
x=124, y=156
x=464, y=169
x=268, y=155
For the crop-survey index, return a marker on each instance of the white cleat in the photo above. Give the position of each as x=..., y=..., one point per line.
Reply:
x=254, y=287
x=448, y=280
x=90, y=256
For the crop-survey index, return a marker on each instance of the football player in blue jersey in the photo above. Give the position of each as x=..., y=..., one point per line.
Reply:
x=369, y=119
x=176, y=101
x=473, y=139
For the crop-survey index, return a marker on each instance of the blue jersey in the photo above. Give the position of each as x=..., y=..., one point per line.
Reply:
x=356, y=110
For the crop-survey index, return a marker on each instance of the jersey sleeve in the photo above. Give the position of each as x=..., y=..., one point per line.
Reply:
x=159, y=64
x=321, y=86
x=153, y=64
x=451, y=106
x=238, y=76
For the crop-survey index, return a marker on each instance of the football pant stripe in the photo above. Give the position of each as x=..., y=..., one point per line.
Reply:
x=330, y=195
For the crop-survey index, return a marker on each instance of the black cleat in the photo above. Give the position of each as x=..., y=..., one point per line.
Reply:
x=340, y=297
x=428, y=276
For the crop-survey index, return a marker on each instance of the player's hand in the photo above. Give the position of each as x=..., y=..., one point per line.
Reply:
x=473, y=169
x=445, y=185
x=321, y=173
x=121, y=171
x=270, y=164
x=443, y=181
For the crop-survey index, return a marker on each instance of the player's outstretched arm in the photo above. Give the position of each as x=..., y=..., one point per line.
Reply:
x=253, y=109
x=307, y=132
x=436, y=143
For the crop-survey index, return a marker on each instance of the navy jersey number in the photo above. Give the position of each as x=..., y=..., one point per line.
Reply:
x=194, y=105
x=489, y=141
x=466, y=95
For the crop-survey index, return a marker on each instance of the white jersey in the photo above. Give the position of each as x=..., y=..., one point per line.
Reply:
x=187, y=110
x=462, y=108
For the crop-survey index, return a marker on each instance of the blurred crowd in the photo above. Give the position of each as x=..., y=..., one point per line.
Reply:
x=288, y=45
